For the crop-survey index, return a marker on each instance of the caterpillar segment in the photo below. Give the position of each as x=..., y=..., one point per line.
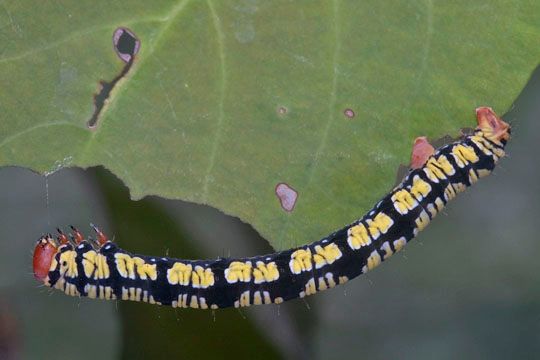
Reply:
x=100, y=269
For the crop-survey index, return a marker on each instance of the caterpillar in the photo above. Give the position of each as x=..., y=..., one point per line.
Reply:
x=100, y=269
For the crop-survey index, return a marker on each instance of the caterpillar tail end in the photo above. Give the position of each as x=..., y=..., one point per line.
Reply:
x=493, y=127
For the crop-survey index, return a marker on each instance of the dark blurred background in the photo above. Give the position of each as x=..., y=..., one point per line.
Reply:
x=468, y=287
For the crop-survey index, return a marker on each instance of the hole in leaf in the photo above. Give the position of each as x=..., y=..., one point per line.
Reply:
x=126, y=45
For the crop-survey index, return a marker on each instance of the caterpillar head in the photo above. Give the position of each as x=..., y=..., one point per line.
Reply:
x=44, y=253
x=492, y=127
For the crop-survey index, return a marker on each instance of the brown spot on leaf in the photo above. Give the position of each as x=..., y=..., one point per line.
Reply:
x=287, y=196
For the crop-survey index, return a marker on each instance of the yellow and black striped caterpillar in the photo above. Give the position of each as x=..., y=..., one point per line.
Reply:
x=108, y=272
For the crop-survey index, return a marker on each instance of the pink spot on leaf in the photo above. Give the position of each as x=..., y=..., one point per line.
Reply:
x=287, y=196
x=349, y=113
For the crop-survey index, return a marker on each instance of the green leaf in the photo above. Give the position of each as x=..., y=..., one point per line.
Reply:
x=225, y=100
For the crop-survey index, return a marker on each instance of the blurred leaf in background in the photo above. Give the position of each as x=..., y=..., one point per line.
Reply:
x=145, y=227
x=49, y=324
x=39, y=320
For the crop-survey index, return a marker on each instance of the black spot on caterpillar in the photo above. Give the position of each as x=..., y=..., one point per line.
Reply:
x=103, y=270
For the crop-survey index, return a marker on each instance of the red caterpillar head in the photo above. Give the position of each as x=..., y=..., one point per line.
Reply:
x=491, y=125
x=44, y=253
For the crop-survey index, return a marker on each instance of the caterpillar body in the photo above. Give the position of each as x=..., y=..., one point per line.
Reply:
x=105, y=271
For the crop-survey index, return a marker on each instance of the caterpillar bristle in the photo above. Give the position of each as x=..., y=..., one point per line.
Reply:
x=62, y=238
x=79, y=237
x=71, y=239
x=101, y=237
x=95, y=244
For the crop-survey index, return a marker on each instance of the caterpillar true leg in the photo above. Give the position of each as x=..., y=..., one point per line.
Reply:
x=107, y=272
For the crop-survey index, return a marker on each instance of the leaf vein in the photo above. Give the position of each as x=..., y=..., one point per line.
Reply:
x=222, y=87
